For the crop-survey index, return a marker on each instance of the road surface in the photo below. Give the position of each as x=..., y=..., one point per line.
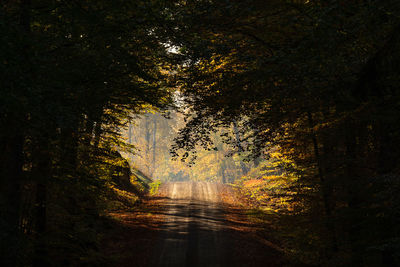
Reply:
x=191, y=224
x=194, y=227
x=199, y=230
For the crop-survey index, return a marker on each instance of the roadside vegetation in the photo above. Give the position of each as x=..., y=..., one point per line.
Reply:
x=154, y=186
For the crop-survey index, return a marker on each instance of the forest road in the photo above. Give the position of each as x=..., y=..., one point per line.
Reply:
x=193, y=232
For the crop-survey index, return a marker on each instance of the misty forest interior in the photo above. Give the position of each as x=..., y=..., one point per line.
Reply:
x=200, y=133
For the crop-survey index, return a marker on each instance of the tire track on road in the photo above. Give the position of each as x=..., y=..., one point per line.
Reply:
x=191, y=230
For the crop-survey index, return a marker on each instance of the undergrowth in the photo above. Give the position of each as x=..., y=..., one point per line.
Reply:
x=154, y=186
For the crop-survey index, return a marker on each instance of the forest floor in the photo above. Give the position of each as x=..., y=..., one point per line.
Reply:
x=190, y=224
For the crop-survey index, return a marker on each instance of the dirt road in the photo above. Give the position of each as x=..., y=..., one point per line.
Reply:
x=193, y=225
x=196, y=229
x=190, y=224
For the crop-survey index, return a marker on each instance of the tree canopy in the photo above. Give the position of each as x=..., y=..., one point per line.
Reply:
x=308, y=86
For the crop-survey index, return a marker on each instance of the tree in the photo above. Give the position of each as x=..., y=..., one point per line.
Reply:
x=72, y=73
x=312, y=78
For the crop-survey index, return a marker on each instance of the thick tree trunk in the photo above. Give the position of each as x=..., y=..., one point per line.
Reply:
x=353, y=186
x=69, y=143
x=325, y=189
x=42, y=174
x=11, y=173
x=11, y=177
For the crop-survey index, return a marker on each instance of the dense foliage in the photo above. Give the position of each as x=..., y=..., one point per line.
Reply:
x=72, y=74
x=308, y=86
x=152, y=135
x=317, y=80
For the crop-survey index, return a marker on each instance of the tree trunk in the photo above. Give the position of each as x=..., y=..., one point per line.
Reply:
x=147, y=138
x=69, y=143
x=130, y=134
x=90, y=124
x=97, y=134
x=43, y=172
x=256, y=162
x=11, y=176
x=11, y=173
x=240, y=148
x=353, y=186
x=222, y=170
x=325, y=190
x=154, y=143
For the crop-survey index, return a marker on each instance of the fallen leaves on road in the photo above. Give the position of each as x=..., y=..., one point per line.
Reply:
x=250, y=248
x=131, y=239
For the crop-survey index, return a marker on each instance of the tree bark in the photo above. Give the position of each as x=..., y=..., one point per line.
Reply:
x=222, y=169
x=130, y=134
x=43, y=173
x=154, y=144
x=69, y=143
x=11, y=172
x=353, y=186
x=147, y=138
x=325, y=190
x=11, y=177
x=97, y=134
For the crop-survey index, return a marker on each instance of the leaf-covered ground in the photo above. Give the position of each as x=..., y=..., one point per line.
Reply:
x=130, y=239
